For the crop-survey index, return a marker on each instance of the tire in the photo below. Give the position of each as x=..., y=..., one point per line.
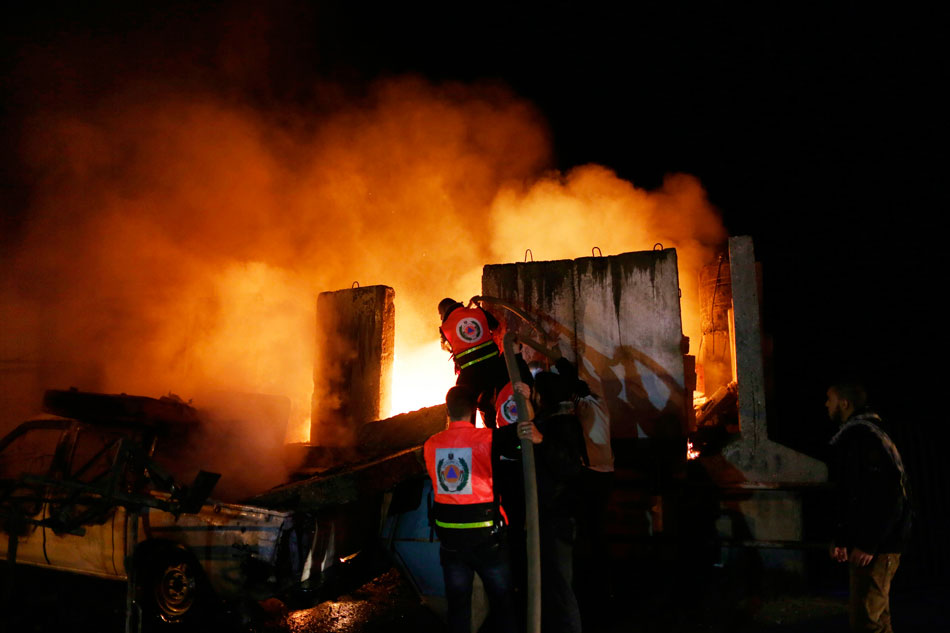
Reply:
x=171, y=590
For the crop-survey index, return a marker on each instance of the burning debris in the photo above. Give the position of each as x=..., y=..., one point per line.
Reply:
x=177, y=237
x=691, y=453
x=176, y=241
x=619, y=317
x=719, y=409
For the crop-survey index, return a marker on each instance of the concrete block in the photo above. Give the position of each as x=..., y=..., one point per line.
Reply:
x=385, y=453
x=753, y=453
x=629, y=335
x=619, y=318
x=542, y=289
x=353, y=371
x=402, y=431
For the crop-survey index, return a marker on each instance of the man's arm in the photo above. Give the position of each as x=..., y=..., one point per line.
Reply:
x=506, y=440
x=492, y=321
x=860, y=558
x=527, y=430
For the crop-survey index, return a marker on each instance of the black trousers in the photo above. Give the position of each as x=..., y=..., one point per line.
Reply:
x=559, y=610
x=485, y=378
x=592, y=573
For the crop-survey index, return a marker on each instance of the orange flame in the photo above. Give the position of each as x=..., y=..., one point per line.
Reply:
x=691, y=453
x=178, y=242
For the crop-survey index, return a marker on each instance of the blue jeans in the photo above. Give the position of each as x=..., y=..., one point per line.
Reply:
x=490, y=562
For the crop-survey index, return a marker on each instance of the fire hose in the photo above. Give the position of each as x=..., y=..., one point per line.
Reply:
x=551, y=352
x=533, y=541
x=530, y=498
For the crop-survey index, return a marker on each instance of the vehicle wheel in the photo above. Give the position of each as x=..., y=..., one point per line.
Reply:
x=171, y=590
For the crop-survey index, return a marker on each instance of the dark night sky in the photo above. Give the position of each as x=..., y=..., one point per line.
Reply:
x=815, y=128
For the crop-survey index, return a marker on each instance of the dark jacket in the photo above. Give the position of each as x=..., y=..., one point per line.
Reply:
x=560, y=458
x=873, y=495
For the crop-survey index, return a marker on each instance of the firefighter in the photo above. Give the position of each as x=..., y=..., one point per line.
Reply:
x=509, y=478
x=467, y=513
x=468, y=334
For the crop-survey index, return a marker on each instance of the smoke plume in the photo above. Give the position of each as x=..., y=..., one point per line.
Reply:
x=177, y=236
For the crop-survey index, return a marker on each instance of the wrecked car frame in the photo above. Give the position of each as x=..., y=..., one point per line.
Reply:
x=90, y=496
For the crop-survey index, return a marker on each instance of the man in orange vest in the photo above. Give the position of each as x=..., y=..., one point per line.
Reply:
x=467, y=333
x=467, y=512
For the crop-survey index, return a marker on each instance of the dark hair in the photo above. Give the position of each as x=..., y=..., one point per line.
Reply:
x=574, y=385
x=460, y=402
x=566, y=369
x=551, y=390
x=447, y=305
x=853, y=391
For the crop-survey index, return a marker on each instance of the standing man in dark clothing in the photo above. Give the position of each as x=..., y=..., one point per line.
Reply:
x=467, y=333
x=467, y=514
x=560, y=457
x=873, y=505
x=592, y=581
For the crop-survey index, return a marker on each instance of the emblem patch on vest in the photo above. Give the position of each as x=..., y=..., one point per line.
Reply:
x=469, y=329
x=509, y=410
x=454, y=468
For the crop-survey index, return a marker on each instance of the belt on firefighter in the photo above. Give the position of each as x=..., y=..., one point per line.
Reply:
x=494, y=352
x=464, y=526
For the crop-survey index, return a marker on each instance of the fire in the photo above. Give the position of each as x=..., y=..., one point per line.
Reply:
x=178, y=241
x=699, y=399
x=691, y=453
x=421, y=376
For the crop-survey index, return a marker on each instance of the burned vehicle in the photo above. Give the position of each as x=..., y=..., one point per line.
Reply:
x=86, y=489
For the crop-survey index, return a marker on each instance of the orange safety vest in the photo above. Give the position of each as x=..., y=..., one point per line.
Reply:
x=506, y=410
x=458, y=461
x=466, y=330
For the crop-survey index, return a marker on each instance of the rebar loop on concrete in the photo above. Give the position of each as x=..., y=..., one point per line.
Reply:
x=534, y=323
x=599, y=253
x=528, y=252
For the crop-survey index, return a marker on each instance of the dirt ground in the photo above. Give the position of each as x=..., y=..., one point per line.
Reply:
x=46, y=602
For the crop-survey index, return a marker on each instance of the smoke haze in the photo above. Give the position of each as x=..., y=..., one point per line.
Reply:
x=178, y=230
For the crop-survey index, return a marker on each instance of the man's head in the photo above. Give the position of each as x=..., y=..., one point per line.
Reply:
x=460, y=404
x=447, y=305
x=548, y=392
x=845, y=397
x=576, y=387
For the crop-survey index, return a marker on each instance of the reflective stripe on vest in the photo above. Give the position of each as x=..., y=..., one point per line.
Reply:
x=473, y=349
x=464, y=526
x=491, y=354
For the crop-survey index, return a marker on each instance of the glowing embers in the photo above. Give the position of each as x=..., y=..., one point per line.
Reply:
x=691, y=452
x=699, y=399
x=350, y=557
